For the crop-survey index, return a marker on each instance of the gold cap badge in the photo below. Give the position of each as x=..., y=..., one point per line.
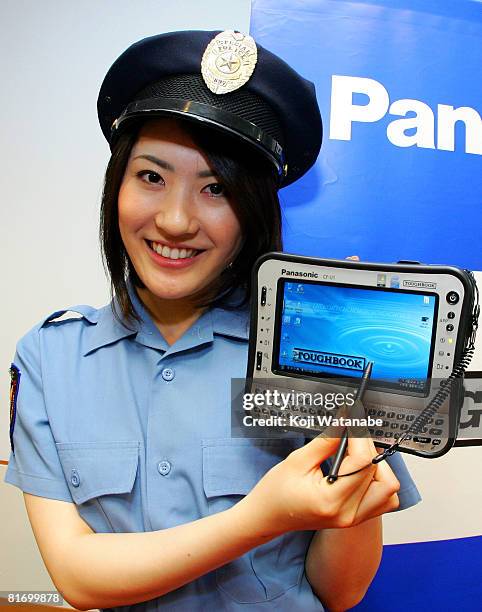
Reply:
x=228, y=61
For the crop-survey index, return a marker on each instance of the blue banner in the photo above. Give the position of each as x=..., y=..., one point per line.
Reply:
x=442, y=576
x=399, y=87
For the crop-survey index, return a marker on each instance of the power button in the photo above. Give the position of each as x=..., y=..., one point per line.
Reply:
x=452, y=297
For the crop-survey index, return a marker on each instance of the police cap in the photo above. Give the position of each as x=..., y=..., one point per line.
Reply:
x=223, y=80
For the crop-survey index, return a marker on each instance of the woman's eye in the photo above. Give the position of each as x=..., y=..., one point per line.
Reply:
x=215, y=189
x=151, y=177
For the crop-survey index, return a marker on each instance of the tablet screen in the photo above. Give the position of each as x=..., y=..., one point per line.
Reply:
x=328, y=330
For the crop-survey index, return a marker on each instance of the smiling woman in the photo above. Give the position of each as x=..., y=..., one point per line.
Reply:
x=178, y=213
x=136, y=492
x=157, y=183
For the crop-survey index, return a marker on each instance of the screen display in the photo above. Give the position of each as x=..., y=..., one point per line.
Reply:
x=334, y=330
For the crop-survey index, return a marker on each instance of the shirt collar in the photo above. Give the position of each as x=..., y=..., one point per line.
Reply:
x=233, y=323
x=108, y=329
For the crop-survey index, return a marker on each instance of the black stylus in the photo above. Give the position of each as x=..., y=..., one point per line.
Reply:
x=340, y=453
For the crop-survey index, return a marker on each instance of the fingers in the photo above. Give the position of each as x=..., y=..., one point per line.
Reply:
x=351, y=499
x=361, y=450
x=393, y=503
x=376, y=501
x=360, y=453
x=359, y=456
x=364, y=447
x=313, y=453
x=385, y=473
x=381, y=494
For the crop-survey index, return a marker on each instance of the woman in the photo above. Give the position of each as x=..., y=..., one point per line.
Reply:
x=120, y=423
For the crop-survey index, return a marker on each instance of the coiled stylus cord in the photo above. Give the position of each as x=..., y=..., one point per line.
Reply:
x=445, y=386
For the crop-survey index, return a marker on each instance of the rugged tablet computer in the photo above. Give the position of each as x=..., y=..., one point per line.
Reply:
x=315, y=323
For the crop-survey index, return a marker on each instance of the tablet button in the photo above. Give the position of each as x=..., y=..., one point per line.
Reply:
x=452, y=297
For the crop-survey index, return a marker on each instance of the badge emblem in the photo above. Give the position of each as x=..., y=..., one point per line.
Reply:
x=228, y=61
x=14, y=384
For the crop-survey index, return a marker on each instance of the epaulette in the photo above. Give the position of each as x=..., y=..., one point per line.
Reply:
x=81, y=311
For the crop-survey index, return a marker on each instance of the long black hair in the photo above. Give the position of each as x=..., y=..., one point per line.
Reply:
x=252, y=187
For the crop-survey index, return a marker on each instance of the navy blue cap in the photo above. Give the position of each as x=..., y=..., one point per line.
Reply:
x=275, y=111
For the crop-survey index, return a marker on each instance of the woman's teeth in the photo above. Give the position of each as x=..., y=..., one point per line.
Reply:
x=173, y=253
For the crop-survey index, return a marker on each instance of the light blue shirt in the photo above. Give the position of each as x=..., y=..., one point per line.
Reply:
x=137, y=434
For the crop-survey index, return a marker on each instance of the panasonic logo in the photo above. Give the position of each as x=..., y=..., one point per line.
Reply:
x=332, y=360
x=419, y=284
x=422, y=128
x=298, y=273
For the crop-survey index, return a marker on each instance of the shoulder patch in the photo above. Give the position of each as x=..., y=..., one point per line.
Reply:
x=72, y=313
x=14, y=385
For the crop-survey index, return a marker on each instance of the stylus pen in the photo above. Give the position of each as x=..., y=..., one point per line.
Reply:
x=340, y=453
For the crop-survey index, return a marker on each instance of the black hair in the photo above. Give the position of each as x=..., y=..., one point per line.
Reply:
x=252, y=187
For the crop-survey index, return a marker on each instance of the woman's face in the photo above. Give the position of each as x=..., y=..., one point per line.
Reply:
x=176, y=222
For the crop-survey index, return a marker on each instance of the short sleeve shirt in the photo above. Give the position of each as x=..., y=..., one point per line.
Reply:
x=136, y=433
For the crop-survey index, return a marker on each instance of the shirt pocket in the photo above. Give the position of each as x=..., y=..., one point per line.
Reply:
x=231, y=468
x=101, y=477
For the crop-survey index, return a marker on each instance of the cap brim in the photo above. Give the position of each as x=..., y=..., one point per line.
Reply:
x=203, y=113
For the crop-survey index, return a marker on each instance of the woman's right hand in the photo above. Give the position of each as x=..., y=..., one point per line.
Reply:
x=295, y=495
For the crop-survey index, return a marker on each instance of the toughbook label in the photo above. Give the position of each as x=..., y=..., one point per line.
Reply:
x=332, y=360
x=419, y=284
x=299, y=273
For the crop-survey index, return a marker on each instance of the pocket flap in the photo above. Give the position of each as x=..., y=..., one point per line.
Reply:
x=99, y=468
x=232, y=466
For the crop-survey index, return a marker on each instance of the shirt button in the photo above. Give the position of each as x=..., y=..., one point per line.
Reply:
x=75, y=478
x=167, y=374
x=164, y=467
